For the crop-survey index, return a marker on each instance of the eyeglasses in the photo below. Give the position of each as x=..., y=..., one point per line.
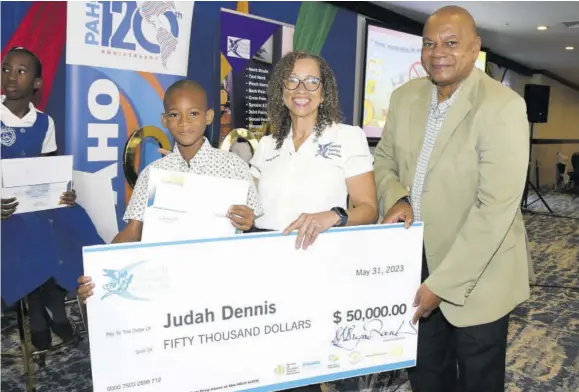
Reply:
x=311, y=83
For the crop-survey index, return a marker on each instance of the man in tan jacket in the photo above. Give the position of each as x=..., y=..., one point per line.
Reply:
x=454, y=155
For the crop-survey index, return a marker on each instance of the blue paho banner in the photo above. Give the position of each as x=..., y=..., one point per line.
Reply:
x=120, y=56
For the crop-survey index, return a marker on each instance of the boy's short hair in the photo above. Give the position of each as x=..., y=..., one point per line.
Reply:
x=37, y=63
x=183, y=83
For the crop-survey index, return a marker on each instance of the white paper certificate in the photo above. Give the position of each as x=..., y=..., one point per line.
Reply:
x=184, y=206
x=36, y=183
x=251, y=312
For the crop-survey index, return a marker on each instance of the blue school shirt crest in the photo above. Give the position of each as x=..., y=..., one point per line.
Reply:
x=24, y=142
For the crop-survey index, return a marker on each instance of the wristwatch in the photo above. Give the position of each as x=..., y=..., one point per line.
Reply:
x=342, y=214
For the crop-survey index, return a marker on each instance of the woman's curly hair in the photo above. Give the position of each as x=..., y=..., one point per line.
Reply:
x=329, y=111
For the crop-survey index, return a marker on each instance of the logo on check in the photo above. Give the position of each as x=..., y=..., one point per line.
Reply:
x=120, y=282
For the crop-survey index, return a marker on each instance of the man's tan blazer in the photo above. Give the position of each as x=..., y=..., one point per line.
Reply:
x=474, y=236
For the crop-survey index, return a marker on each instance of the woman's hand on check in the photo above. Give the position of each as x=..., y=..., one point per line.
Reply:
x=241, y=217
x=309, y=226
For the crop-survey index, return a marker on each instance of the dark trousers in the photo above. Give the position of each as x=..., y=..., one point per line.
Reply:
x=479, y=351
x=48, y=297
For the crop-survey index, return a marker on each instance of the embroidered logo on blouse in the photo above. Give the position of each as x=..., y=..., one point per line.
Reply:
x=8, y=136
x=329, y=150
x=272, y=158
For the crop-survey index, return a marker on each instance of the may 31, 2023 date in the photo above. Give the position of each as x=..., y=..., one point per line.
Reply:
x=388, y=269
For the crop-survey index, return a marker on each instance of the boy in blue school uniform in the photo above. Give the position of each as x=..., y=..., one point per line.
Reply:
x=28, y=240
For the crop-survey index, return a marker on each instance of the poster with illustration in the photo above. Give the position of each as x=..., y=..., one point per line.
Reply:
x=250, y=48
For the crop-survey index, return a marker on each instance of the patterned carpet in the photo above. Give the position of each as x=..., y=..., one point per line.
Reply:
x=543, y=350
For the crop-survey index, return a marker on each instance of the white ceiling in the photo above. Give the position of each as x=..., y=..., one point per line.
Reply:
x=510, y=30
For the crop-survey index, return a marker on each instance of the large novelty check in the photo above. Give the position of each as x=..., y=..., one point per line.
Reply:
x=251, y=312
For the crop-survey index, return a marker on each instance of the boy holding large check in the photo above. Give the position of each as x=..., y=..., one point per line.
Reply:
x=186, y=117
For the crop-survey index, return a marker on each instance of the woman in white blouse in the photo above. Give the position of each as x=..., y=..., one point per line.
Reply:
x=308, y=167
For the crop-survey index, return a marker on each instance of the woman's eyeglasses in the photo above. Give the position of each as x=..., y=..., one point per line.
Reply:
x=311, y=83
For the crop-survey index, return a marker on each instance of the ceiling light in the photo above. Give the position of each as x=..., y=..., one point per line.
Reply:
x=569, y=47
x=542, y=28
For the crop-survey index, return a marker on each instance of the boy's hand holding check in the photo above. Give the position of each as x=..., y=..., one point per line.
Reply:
x=85, y=287
x=241, y=217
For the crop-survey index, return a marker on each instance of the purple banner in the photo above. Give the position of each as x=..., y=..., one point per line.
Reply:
x=242, y=37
